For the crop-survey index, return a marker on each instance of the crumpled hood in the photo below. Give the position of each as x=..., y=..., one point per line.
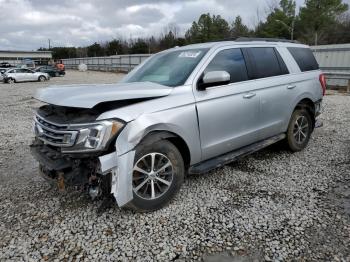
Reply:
x=90, y=95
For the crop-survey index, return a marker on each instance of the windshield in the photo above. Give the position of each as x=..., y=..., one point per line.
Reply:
x=169, y=68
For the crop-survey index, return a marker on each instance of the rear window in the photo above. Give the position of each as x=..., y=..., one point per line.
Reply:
x=304, y=58
x=265, y=62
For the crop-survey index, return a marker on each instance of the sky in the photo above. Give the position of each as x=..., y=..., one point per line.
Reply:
x=28, y=24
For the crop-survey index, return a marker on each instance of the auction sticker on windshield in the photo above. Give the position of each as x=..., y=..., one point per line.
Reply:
x=190, y=54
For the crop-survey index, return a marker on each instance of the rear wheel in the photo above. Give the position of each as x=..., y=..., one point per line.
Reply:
x=157, y=175
x=299, y=130
x=42, y=78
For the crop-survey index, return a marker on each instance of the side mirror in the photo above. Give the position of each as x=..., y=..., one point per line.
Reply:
x=214, y=78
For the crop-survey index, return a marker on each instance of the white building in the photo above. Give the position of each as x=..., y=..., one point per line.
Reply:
x=16, y=57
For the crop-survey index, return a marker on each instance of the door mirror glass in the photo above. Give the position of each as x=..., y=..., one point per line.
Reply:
x=214, y=78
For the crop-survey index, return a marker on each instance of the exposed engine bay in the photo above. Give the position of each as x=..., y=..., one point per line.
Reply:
x=77, y=171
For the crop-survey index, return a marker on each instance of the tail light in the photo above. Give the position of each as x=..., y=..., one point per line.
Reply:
x=323, y=83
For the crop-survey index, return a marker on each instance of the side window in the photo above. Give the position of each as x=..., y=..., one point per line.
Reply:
x=231, y=61
x=265, y=62
x=304, y=58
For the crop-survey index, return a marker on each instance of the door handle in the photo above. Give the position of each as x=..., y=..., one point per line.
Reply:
x=291, y=86
x=249, y=95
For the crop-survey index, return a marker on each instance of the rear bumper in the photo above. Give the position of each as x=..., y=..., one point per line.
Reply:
x=318, y=107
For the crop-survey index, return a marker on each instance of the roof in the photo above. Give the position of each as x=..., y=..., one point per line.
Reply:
x=17, y=54
x=27, y=52
x=240, y=43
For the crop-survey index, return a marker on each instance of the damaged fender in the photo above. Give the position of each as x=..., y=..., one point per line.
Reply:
x=121, y=168
x=141, y=121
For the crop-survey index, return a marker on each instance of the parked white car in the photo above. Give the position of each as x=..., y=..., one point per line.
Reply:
x=22, y=74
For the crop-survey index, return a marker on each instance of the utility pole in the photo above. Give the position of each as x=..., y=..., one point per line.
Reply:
x=290, y=28
x=49, y=43
x=316, y=38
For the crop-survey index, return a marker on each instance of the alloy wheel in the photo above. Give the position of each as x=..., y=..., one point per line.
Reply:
x=301, y=129
x=152, y=176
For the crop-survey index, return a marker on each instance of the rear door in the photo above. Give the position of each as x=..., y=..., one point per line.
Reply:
x=227, y=114
x=28, y=75
x=274, y=87
x=20, y=74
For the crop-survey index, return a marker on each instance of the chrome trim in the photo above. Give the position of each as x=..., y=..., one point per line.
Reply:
x=52, y=131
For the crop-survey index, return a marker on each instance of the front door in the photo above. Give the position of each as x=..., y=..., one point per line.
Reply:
x=227, y=114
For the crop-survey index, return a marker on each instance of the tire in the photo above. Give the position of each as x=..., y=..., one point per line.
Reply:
x=42, y=78
x=11, y=81
x=166, y=182
x=57, y=74
x=299, y=130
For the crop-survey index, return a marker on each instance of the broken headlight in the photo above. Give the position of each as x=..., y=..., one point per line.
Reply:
x=95, y=137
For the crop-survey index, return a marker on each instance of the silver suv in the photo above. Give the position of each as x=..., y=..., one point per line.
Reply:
x=185, y=110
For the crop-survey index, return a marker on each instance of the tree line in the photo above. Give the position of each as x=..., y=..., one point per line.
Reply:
x=316, y=22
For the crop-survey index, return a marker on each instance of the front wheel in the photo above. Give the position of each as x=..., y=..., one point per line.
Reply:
x=158, y=174
x=11, y=81
x=42, y=78
x=299, y=130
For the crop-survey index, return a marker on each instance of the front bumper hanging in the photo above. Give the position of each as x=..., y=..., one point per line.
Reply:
x=121, y=168
x=54, y=164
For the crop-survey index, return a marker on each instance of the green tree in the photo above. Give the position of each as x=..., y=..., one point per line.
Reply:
x=167, y=41
x=208, y=28
x=139, y=47
x=239, y=29
x=279, y=23
x=95, y=50
x=114, y=47
x=61, y=52
x=318, y=16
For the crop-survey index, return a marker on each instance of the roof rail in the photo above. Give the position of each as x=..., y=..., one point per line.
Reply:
x=249, y=39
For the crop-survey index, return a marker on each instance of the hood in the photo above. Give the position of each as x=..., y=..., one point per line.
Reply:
x=88, y=96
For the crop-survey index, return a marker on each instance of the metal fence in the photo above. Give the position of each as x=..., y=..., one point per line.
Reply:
x=344, y=77
x=107, y=63
x=334, y=60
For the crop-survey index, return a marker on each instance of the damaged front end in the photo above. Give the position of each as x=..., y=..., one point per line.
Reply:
x=74, y=150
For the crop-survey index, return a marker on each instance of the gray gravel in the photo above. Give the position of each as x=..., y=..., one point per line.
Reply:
x=272, y=205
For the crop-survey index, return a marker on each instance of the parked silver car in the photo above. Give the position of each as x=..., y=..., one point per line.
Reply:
x=22, y=74
x=185, y=110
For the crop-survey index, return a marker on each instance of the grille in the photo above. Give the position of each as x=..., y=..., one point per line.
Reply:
x=54, y=134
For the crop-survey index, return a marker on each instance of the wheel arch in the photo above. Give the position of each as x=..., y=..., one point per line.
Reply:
x=309, y=105
x=174, y=138
x=41, y=76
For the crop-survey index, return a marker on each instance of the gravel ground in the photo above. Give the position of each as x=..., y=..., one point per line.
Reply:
x=272, y=205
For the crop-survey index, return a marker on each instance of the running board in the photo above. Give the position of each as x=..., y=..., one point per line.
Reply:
x=222, y=160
